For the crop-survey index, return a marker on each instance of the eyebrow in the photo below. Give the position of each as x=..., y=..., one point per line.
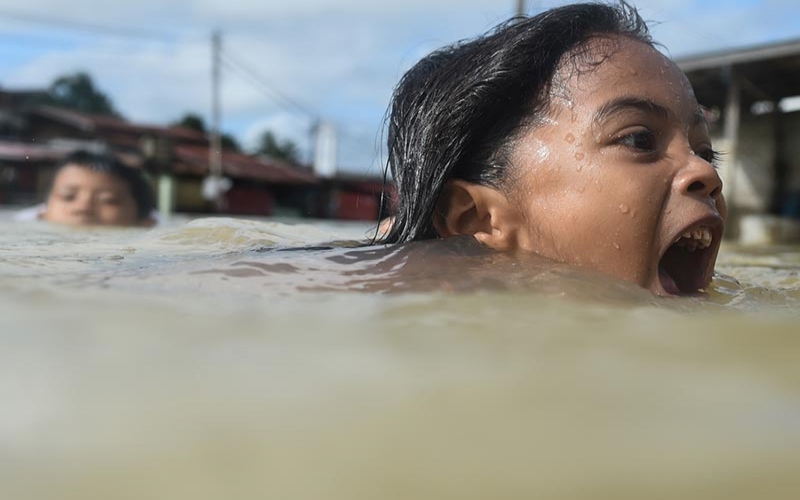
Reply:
x=79, y=186
x=640, y=104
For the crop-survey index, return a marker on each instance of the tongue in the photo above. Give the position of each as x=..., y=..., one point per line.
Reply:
x=667, y=282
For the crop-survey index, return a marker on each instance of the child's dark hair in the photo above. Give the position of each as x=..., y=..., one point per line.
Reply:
x=134, y=178
x=457, y=112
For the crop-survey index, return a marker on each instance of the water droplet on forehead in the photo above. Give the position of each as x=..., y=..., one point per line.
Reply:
x=579, y=156
x=570, y=138
x=624, y=208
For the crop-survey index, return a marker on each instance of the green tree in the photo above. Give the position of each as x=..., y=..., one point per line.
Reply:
x=194, y=121
x=270, y=145
x=230, y=142
x=78, y=92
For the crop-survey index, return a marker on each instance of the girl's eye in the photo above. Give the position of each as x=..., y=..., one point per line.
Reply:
x=641, y=141
x=711, y=156
x=107, y=200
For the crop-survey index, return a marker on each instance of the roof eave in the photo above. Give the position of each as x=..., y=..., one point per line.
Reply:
x=738, y=56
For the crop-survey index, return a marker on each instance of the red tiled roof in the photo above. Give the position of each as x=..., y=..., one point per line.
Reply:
x=190, y=148
x=20, y=151
x=14, y=98
x=195, y=159
x=98, y=123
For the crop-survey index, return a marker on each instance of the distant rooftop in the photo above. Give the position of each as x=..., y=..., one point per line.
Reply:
x=768, y=72
x=741, y=55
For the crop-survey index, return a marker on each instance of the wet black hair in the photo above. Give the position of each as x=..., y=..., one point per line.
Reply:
x=458, y=111
x=134, y=178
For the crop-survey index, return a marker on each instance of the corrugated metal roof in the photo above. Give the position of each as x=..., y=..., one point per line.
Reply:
x=739, y=55
x=766, y=72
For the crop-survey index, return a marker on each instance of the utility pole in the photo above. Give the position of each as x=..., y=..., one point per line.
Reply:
x=215, y=190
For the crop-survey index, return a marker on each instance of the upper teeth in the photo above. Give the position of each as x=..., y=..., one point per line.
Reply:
x=696, y=238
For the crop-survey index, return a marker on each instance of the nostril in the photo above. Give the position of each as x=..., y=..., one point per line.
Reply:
x=696, y=186
x=700, y=187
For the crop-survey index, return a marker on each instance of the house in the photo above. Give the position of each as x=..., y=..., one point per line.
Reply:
x=752, y=95
x=354, y=197
x=34, y=138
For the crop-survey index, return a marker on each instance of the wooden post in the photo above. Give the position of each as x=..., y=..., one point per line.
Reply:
x=731, y=133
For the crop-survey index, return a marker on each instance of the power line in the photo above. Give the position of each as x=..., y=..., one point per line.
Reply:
x=287, y=101
x=116, y=31
x=225, y=57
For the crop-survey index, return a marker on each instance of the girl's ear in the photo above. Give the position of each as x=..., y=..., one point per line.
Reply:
x=480, y=211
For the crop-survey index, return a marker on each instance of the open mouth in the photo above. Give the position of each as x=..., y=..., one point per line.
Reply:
x=684, y=268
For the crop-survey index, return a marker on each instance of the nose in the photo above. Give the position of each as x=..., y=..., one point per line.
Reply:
x=82, y=204
x=699, y=178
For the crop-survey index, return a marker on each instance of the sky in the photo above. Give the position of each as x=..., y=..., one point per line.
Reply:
x=288, y=64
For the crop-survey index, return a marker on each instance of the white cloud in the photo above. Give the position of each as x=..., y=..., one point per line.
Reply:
x=340, y=59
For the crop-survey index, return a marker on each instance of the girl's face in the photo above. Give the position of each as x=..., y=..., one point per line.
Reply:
x=619, y=179
x=81, y=196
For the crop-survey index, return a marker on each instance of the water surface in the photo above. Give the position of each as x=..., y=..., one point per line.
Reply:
x=222, y=358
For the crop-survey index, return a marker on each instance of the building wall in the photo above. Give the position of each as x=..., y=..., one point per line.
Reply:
x=357, y=206
x=189, y=195
x=791, y=155
x=761, y=211
x=752, y=189
x=749, y=186
x=249, y=199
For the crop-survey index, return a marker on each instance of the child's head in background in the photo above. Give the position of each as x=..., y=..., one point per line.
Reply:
x=96, y=189
x=568, y=135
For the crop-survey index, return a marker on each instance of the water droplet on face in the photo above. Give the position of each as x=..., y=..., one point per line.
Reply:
x=581, y=189
x=579, y=156
x=574, y=117
x=624, y=208
x=570, y=138
x=616, y=245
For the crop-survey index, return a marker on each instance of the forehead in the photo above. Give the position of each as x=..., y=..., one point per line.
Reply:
x=610, y=67
x=80, y=176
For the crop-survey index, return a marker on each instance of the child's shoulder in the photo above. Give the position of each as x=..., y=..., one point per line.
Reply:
x=30, y=213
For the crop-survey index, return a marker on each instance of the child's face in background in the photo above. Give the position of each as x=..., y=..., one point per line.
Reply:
x=619, y=180
x=81, y=196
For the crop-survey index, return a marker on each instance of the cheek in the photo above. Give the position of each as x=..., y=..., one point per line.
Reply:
x=114, y=211
x=58, y=206
x=722, y=207
x=123, y=213
x=617, y=214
